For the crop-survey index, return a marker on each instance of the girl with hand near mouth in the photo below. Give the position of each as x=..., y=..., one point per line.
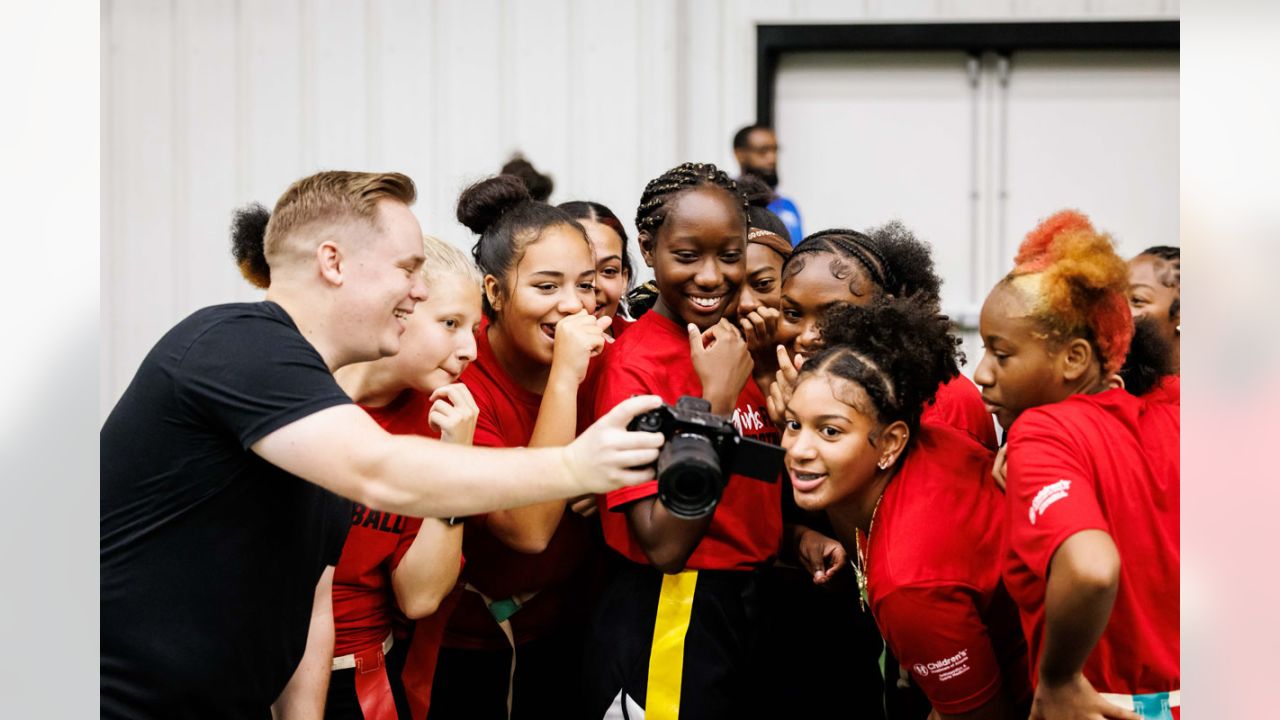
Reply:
x=915, y=500
x=757, y=307
x=529, y=570
x=1092, y=481
x=695, y=576
x=392, y=566
x=846, y=266
x=827, y=269
x=613, y=262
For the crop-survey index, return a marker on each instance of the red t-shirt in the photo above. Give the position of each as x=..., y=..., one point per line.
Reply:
x=1168, y=390
x=653, y=358
x=934, y=578
x=958, y=404
x=620, y=325
x=1107, y=462
x=364, y=603
x=564, y=574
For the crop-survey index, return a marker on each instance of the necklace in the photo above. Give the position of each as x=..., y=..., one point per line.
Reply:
x=861, y=545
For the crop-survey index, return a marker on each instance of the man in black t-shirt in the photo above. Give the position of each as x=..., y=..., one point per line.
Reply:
x=224, y=461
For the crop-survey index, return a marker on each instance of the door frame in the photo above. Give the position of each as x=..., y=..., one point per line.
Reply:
x=1003, y=38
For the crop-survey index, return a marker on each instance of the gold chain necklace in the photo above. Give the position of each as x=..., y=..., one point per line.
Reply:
x=860, y=569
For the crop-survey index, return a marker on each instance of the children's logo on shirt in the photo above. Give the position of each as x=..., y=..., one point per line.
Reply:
x=1048, y=495
x=748, y=421
x=946, y=668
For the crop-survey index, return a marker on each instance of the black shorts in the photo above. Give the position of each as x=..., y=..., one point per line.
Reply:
x=677, y=645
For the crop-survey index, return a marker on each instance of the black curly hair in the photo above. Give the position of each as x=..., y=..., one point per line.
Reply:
x=248, y=233
x=655, y=202
x=897, y=349
x=507, y=219
x=1149, y=358
x=891, y=257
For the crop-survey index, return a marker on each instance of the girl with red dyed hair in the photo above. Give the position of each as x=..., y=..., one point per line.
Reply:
x=1093, y=481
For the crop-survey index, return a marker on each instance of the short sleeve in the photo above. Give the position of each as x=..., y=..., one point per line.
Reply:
x=405, y=541
x=621, y=380
x=254, y=375
x=938, y=636
x=1050, y=490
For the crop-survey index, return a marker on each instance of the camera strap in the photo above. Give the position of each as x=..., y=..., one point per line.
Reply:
x=502, y=610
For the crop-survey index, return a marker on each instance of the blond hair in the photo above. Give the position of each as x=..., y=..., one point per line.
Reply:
x=332, y=197
x=445, y=260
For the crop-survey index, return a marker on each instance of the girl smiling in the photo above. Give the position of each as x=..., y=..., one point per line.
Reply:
x=694, y=575
x=529, y=570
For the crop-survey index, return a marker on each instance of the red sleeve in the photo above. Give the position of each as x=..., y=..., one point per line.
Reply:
x=937, y=634
x=488, y=433
x=407, y=536
x=619, y=381
x=1050, y=490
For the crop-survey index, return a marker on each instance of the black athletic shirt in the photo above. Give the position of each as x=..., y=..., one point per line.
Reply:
x=210, y=555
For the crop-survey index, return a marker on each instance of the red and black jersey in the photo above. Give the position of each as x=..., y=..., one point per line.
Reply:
x=653, y=358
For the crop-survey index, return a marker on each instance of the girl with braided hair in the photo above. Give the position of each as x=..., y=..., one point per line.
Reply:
x=675, y=632
x=846, y=266
x=916, y=500
x=830, y=268
x=1092, y=481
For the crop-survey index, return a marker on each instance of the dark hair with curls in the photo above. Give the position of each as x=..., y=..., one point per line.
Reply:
x=1171, y=277
x=596, y=212
x=248, y=229
x=538, y=184
x=898, y=349
x=500, y=210
x=1077, y=285
x=655, y=202
x=1149, y=358
x=892, y=257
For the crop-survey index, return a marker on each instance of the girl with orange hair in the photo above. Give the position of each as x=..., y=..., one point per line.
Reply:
x=1093, y=481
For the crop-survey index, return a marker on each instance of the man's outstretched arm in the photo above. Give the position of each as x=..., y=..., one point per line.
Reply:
x=343, y=450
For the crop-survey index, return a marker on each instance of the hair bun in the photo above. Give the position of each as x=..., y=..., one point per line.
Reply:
x=481, y=204
x=248, y=232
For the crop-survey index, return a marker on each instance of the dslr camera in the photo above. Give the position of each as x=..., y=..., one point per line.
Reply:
x=702, y=450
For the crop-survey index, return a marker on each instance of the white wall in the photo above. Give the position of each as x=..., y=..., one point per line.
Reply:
x=208, y=104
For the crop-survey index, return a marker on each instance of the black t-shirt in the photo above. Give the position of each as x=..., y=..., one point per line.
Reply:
x=210, y=555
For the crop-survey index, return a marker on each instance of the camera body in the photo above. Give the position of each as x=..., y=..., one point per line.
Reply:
x=702, y=450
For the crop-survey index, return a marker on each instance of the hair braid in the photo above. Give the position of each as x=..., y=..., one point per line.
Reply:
x=843, y=243
x=655, y=200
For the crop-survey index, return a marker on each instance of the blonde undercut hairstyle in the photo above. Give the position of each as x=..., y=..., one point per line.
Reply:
x=329, y=199
x=445, y=260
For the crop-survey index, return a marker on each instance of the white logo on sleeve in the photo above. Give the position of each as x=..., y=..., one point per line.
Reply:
x=1048, y=495
x=946, y=668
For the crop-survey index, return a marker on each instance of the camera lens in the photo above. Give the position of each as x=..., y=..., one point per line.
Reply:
x=689, y=479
